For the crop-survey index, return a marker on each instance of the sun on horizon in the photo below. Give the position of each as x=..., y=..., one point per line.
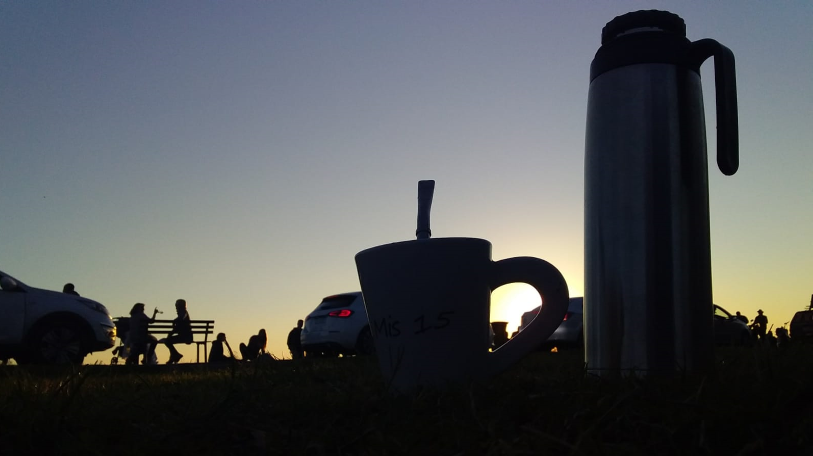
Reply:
x=510, y=301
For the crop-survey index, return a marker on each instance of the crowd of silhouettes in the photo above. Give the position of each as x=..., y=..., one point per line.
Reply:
x=138, y=342
x=763, y=335
x=138, y=345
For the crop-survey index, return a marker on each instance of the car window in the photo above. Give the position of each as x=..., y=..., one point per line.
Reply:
x=720, y=313
x=334, y=302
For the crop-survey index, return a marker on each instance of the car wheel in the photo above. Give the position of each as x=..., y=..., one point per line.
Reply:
x=365, y=345
x=59, y=342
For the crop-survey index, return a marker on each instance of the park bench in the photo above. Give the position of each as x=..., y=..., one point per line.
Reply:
x=200, y=328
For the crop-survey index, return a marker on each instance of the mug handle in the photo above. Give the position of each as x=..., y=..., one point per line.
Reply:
x=551, y=286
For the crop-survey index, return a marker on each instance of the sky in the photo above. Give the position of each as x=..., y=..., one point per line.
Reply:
x=239, y=154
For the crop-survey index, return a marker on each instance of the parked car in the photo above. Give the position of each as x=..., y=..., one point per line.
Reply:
x=570, y=332
x=728, y=329
x=48, y=327
x=338, y=326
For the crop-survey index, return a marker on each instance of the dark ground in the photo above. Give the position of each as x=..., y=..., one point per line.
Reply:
x=761, y=402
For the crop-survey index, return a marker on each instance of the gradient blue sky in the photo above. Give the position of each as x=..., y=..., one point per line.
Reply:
x=239, y=154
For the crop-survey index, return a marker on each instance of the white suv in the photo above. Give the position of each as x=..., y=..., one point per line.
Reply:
x=49, y=327
x=337, y=326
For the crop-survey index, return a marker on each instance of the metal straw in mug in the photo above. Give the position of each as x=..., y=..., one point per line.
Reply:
x=426, y=188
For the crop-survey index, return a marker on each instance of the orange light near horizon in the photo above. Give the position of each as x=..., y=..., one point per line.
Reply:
x=510, y=301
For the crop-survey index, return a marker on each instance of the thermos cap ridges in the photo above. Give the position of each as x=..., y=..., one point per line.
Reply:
x=663, y=21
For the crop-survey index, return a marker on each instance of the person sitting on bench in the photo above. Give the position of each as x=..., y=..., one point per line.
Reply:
x=181, y=332
x=138, y=338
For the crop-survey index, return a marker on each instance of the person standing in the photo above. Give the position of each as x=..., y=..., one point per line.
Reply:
x=181, y=332
x=760, y=325
x=294, y=342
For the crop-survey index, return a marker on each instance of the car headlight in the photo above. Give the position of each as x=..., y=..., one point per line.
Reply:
x=93, y=305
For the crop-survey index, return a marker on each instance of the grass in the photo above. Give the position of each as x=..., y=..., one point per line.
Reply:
x=761, y=402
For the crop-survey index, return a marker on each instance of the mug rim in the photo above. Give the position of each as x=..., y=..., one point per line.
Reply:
x=445, y=240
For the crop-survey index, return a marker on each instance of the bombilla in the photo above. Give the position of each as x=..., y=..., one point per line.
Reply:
x=426, y=188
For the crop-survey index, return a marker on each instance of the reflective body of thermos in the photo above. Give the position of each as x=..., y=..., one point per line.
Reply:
x=648, y=296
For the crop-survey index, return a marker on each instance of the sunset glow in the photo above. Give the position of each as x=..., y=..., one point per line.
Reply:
x=238, y=155
x=509, y=302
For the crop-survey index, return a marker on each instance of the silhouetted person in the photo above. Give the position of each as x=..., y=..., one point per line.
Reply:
x=138, y=337
x=256, y=346
x=69, y=289
x=782, y=337
x=760, y=325
x=216, y=355
x=294, y=342
x=770, y=340
x=122, y=331
x=181, y=332
x=742, y=317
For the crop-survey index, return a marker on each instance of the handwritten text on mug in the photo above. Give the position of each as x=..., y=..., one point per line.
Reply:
x=392, y=328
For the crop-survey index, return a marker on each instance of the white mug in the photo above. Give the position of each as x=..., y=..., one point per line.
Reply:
x=429, y=303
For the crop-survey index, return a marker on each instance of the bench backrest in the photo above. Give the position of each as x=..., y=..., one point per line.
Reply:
x=205, y=327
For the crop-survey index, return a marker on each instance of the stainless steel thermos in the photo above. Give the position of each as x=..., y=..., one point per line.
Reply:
x=648, y=298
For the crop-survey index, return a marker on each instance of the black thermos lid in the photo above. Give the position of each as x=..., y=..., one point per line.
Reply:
x=647, y=36
x=645, y=20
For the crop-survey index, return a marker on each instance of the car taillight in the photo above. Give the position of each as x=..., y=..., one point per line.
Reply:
x=344, y=313
x=567, y=315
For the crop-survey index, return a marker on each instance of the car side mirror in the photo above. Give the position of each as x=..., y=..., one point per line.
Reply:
x=8, y=284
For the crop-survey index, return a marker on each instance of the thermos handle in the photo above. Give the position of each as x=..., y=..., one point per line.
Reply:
x=725, y=86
